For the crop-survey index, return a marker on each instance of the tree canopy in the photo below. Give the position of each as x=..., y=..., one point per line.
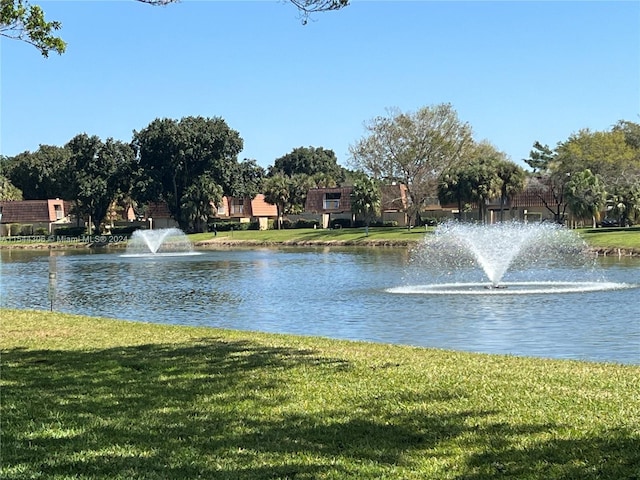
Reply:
x=175, y=155
x=484, y=174
x=579, y=168
x=41, y=174
x=413, y=148
x=309, y=161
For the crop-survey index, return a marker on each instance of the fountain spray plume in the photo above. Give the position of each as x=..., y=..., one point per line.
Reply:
x=167, y=241
x=498, y=247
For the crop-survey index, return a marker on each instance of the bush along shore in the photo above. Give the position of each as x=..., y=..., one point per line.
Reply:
x=90, y=398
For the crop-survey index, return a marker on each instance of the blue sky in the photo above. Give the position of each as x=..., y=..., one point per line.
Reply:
x=516, y=71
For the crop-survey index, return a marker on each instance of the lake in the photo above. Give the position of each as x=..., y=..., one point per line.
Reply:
x=345, y=293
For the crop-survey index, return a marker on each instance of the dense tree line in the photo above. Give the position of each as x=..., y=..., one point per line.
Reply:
x=192, y=163
x=589, y=172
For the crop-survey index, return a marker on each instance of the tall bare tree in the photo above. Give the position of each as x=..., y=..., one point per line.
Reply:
x=413, y=148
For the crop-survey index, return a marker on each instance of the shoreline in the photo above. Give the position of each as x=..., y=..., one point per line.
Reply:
x=229, y=243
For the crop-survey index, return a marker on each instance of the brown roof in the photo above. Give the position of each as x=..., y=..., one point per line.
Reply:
x=32, y=211
x=260, y=208
x=535, y=194
x=158, y=210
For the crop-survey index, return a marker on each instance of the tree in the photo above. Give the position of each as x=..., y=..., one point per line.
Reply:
x=549, y=182
x=413, y=149
x=512, y=181
x=631, y=133
x=173, y=154
x=585, y=195
x=97, y=170
x=299, y=186
x=540, y=158
x=366, y=200
x=613, y=156
x=40, y=175
x=455, y=186
x=8, y=191
x=246, y=179
x=20, y=20
x=309, y=161
x=276, y=192
x=486, y=174
x=198, y=201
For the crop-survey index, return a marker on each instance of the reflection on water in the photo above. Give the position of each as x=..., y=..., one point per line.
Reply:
x=339, y=293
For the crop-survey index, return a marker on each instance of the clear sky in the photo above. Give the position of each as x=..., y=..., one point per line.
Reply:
x=516, y=71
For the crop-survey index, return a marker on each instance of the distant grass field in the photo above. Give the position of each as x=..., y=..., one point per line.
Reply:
x=88, y=398
x=627, y=239
x=356, y=236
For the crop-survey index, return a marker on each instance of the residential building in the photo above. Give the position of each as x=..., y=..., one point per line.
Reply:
x=29, y=217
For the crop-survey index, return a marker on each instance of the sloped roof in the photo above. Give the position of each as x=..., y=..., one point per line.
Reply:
x=158, y=210
x=536, y=193
x=32, y=211
x=261, y=208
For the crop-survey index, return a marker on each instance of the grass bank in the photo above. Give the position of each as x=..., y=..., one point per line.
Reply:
x=87, y=398
x=624, y=241
x=308, y=236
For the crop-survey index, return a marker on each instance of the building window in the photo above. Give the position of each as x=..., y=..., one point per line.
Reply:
x=331, y=201
x=237, y=206
x=220, y=209
x=59, y=212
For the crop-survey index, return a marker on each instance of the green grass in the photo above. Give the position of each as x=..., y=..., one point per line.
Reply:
x=623, y=238
x=86, y=398
x=309, y=235
x=627, y=239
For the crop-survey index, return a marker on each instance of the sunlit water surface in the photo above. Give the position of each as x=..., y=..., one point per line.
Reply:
x=339, y=293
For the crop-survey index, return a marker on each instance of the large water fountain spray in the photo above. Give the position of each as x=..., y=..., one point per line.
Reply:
x=163, y=241
x=546, y=258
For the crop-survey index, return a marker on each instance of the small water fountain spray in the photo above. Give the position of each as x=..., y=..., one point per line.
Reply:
x=163, y=241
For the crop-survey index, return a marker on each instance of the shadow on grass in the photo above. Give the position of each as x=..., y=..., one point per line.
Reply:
x=223, y=410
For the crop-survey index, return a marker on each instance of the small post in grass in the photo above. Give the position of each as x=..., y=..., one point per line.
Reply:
x=52, y=280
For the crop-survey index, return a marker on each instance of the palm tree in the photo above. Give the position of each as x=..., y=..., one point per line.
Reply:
x=512, y=179
x=455, y=187
x=585, y=195
x=366, y=200
x=198, y=202
x=276, y=192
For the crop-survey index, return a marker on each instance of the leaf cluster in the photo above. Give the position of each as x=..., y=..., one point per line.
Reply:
x=20, y=20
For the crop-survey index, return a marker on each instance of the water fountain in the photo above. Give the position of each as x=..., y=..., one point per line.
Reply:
x=163, y=241
x=541, y=258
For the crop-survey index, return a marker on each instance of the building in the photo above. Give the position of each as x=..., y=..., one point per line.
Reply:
x=33, y=217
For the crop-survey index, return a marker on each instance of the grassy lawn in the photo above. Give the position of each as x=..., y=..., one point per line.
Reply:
x=624, y=238
x=301, y=235
x=86, y=398
x=628, y=239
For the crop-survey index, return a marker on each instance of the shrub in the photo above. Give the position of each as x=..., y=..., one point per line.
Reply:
x=41, y=231
x=340, y=223
x=124, y=230
x=302, y=223
x=70, y=231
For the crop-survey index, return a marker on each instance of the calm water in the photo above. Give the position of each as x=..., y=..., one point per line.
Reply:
x=339, y=293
